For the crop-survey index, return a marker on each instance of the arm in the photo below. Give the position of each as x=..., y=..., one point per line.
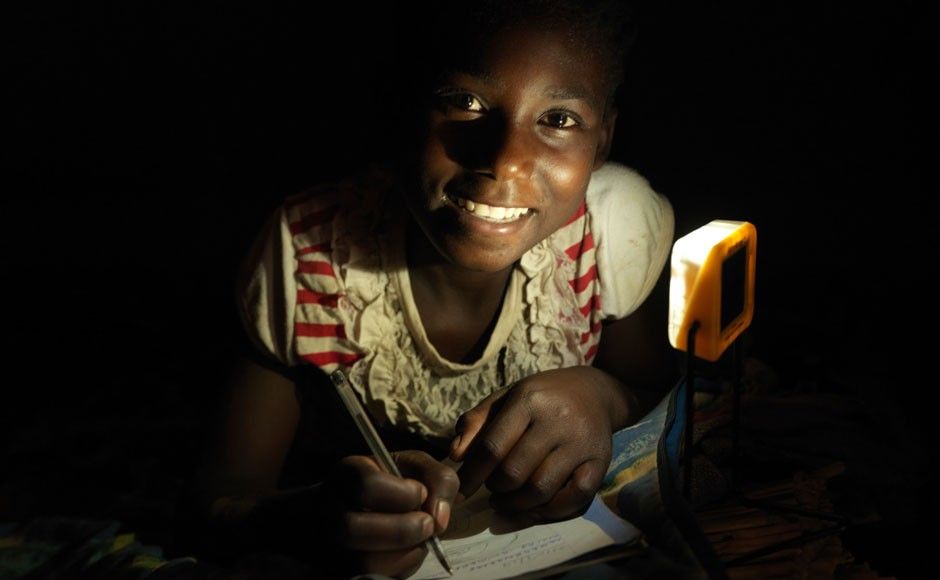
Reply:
x=359, y=519
x=544, y=445
x=234, y=492
x=636, y=352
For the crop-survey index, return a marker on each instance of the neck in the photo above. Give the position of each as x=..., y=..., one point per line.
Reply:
x=458, y=307
x=451, y=285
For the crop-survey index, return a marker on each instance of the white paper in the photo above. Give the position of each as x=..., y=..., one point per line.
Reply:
x=482, y=545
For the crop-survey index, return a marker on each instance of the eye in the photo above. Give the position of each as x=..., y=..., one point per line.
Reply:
x=560, y=120
x=462, y=101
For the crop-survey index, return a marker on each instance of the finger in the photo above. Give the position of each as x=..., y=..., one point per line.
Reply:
x=576, y=495
x=440, y=480
x=471, y=423
x=545, y=481
x=530, y=451
x=396, y=564
x=492, y=445
x=382, y=531
x=362, y=484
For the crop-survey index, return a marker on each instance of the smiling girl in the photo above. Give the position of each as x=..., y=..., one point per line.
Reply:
x=491, y=294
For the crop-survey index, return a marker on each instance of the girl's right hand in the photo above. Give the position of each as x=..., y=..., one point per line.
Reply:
x=382, y=520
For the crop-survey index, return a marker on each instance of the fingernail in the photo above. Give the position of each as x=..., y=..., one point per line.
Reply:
x=427, y=527
x=455, y=444
x=442, y=513
x=423, y=492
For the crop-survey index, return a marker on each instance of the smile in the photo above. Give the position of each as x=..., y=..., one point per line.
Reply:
x=490, y=213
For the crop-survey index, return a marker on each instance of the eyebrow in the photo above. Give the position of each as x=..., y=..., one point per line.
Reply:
x=557, y=93
x=478, y=73
x=567, y=93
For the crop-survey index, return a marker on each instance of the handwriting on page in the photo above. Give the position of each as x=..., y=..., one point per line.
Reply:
x=482, y=545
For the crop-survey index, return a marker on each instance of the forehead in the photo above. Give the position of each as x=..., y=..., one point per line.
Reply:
x=530, y=54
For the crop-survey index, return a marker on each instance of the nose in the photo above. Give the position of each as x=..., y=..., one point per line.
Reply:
x=513, y=155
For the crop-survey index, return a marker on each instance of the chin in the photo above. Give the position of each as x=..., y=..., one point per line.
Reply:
x=478, y=261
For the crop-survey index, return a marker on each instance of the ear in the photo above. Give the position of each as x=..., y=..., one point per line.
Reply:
x=606, y=137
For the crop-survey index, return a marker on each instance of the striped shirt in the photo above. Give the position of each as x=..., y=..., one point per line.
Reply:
x=326, y=284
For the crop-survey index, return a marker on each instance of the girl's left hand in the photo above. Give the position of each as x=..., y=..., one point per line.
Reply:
x=543, y=445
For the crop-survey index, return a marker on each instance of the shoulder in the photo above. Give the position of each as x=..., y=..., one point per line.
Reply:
x=339, y=219
x=633, y=227
x=292, y=280
x=616, y=190
x=312, y=207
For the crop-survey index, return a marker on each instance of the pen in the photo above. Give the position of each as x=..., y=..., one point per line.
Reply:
x=378, y=448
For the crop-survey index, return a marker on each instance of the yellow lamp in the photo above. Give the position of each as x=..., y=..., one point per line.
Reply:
x=711, y=289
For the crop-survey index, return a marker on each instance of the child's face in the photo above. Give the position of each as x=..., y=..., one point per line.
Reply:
x=510, y=147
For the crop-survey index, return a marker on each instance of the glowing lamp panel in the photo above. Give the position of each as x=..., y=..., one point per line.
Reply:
x=712, y=283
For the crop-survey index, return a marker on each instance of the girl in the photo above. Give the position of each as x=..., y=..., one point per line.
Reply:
x=492, y=295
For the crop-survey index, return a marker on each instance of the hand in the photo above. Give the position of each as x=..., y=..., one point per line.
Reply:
x=541, y=446
x=383, y=520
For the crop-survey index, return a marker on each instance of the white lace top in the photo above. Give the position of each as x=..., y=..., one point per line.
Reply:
x=326, y=283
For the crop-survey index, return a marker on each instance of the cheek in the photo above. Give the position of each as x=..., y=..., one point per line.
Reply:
x=569, y=177
x=434, y=162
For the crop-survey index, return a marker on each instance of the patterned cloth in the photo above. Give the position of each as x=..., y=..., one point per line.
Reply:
x=643, y=484
x=327, y=284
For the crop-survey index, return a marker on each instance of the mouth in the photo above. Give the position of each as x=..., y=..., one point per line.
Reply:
x=491, y=213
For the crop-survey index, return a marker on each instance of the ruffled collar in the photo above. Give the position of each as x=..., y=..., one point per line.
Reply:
x=510, y=311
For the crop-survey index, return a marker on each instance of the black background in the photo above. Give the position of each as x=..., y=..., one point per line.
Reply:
x=147, y=141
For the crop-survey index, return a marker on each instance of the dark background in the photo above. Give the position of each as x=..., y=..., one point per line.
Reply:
x=146, y=142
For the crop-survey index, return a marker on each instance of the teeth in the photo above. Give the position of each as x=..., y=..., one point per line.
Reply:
x=489, y=212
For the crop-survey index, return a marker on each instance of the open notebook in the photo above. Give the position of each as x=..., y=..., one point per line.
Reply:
x=483, y=545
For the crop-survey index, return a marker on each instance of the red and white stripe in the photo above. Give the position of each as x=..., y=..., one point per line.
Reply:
x=323, y=343
x=578, y=243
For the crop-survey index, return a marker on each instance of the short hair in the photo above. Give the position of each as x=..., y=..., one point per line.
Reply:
x=605, y=28
x=428, y=35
